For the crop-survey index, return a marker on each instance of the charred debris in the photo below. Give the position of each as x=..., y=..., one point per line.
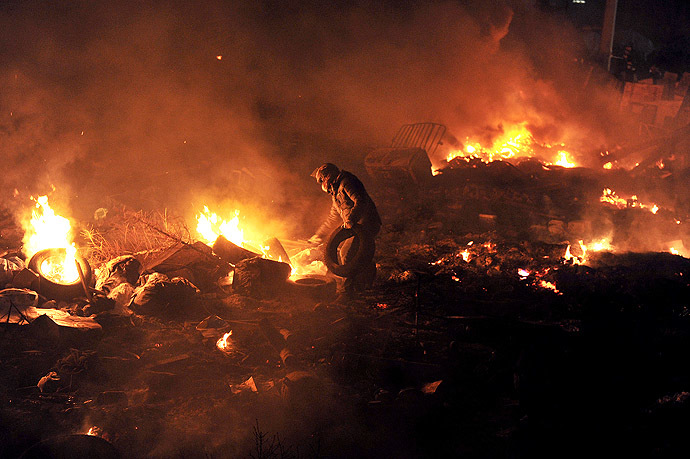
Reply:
x=490, y=331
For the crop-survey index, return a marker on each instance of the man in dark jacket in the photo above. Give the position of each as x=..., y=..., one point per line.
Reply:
x=351, y=205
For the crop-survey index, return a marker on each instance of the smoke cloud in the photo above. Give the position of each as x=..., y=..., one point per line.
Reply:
x=178, y=104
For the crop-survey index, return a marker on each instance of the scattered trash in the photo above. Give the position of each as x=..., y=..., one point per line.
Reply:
x=163, y=296
x=248, y=386
x=212, y=326
x=430, y=388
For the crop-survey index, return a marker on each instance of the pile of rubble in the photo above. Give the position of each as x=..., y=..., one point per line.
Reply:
x=480, y=336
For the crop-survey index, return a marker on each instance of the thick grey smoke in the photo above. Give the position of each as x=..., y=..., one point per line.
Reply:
x=176, y=104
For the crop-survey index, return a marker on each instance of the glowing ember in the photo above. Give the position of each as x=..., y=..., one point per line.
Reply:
x=47, y=230
x=225, y=343
x=548, y=285
x=609, y=196
x=608, y=165
x=466, y=255
x=94, y=431
x=674, y=251
x=523, y=273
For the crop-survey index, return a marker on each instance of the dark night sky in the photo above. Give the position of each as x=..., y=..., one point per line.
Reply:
x=665, y=22
x=661, y=21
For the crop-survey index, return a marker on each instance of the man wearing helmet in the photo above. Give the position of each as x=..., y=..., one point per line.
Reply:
x=351, y=204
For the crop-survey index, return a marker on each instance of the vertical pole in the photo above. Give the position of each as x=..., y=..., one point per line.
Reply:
x=607, y=31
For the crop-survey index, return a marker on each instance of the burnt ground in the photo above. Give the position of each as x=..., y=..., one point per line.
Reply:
x=447, y=356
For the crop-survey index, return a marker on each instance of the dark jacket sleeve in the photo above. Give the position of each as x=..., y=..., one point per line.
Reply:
x=331, y=222
x=359, y=197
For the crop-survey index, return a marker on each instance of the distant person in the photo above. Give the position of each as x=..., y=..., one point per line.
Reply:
x=351, y=205
x=630, y=59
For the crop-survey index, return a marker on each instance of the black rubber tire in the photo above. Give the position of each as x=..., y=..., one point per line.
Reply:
x=364, y=255
x=314, y=286
x=53, y=290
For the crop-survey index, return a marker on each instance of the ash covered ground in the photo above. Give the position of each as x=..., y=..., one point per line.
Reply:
x=480, y=338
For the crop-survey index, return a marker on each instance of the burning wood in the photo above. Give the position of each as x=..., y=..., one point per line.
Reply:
x=610, y=196
x=514, y=142
x=231, y=252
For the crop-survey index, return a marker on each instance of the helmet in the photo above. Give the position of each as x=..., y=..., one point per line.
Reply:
x=325, y=174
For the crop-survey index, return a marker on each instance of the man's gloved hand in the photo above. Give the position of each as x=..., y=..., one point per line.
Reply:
x=316, y=240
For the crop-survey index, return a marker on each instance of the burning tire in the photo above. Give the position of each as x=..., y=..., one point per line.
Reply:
x=364, y=244
x=314, y=286
x=51, y=288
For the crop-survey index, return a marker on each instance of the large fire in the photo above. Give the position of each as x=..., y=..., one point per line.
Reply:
x=516, y=141
x=47, y=230
x=210, y=226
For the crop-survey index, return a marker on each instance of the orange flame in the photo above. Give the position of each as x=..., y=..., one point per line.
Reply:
x=224, y=343
x=609, y=196
x=549, y=286
x=563, y=160
x=210, y=226
x=516, y=141
x=47, y=230
x=596, y=246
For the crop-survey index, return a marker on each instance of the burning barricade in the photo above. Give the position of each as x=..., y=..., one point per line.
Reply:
x=499, y=257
